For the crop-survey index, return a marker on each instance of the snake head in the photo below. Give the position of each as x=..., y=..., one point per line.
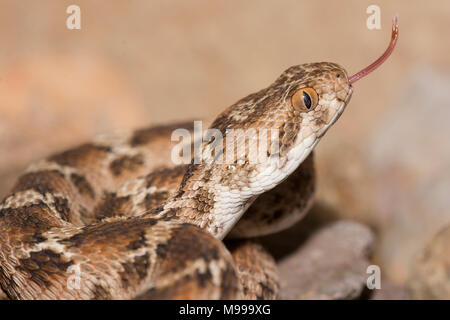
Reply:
x=300, y=105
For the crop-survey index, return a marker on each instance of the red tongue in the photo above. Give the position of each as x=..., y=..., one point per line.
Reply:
x=383, y=57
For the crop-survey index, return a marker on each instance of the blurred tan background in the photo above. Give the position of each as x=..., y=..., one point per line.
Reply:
x=139, y=62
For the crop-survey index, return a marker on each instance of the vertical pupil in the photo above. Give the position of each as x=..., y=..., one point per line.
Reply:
x=306, y=100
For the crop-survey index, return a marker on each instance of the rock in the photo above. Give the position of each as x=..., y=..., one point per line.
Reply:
x=430, y=278
x=331, y=264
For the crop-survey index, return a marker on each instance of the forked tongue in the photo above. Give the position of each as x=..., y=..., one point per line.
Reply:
x=383, y=57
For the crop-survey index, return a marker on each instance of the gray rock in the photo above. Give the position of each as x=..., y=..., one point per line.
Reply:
x=331, y=264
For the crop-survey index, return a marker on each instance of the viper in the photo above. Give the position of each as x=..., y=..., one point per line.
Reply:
x=116, y=219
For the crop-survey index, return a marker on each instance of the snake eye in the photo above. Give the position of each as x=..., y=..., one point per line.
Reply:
x=304, y=99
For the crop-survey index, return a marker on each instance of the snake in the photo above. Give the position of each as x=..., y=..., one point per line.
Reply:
x=116, y=218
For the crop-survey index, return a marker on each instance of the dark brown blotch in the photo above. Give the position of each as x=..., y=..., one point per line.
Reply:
x=146, y=136
x=138, y=243
x=112, y=206
x=187, y=243
x=35, y=218
x=113, y=233
x=63, y=208
x=85, y=154
x=168, y=177
x=155, y=199
x=135, y=271
x=83, y=185
x=45, y=181
x=42, y=265
x=35, y=238
x=126, y=163
x=101, y=293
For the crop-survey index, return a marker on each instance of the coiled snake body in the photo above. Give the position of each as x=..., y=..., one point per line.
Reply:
x=113, y=219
